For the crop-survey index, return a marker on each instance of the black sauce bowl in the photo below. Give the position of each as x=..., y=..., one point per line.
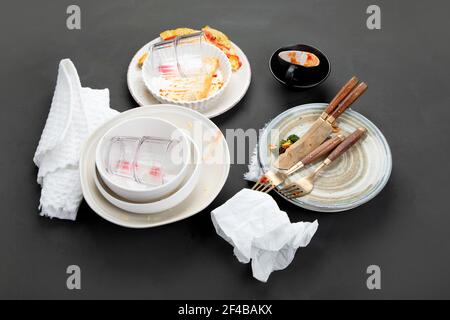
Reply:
x=304, y=78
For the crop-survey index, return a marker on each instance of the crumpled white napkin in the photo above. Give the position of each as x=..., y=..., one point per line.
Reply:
x=254, y=225
x=74, y=113
x=254, y=169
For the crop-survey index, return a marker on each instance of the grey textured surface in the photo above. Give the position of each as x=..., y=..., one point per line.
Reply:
x=405, y=230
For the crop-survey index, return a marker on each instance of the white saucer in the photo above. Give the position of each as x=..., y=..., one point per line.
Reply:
x=235, y=91
x=214, y=172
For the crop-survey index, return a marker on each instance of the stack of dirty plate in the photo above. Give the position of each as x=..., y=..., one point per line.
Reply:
x=153, y=165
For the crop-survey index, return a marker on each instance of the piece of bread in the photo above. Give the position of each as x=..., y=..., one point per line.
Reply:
x=170, y=34
x=220, y=40
x=216, y=36
x=213, y=36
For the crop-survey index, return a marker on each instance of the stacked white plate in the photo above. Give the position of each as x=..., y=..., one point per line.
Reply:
x=200, y=187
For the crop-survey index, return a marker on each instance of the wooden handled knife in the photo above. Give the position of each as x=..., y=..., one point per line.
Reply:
x=322, y=127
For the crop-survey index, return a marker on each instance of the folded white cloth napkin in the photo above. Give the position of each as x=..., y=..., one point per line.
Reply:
x=74, y=113
x=254, y=225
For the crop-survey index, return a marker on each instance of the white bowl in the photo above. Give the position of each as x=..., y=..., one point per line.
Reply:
x=138, y=127
x=199, y=105
x=169, y=202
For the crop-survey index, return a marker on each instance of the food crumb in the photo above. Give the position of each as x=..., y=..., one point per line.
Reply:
x=142, y=59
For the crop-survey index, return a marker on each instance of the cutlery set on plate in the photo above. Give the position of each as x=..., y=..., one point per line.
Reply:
x=314, y=145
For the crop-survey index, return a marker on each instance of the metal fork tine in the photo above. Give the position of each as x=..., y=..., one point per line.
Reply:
x=257, y=184
x=261, y=186
x=297, y=194
x=292, y=192
x=289, y=188
x=268, y=187
x=287, y=195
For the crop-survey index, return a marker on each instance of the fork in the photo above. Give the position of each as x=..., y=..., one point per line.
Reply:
x=271, y=179
x=305, y=185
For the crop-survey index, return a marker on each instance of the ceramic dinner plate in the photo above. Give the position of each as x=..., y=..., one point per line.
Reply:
x=233, y=93
x=214, y=172
x=351, y=180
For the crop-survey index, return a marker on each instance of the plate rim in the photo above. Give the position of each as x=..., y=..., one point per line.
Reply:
x=207, y=114
x=370, y=196
x=123, y=223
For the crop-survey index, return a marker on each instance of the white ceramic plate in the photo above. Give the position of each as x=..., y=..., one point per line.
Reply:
x=172, y=200
x=214, y=171
x=353, y=179
x=235, y=91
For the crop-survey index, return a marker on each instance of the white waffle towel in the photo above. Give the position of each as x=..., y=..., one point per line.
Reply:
x=74, y=113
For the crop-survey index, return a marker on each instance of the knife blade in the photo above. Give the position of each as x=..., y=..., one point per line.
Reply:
x=321, y=128
x=317, y=134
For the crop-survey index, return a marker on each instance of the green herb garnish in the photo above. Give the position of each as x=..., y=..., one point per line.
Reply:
x=286, y=143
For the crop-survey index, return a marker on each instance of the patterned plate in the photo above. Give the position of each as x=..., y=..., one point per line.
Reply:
x=353, y=179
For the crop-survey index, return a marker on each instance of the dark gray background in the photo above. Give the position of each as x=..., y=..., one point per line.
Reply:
x=404, y=230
